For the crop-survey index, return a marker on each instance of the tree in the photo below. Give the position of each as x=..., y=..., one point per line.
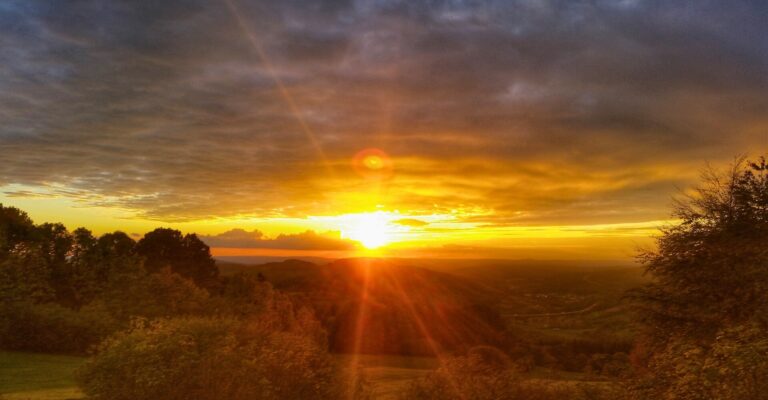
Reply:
x=138, y=293
x=25, y=277
x=25, y=273
x=15, y=229
x=705, y=315
x=55, y=243
x=212, y=359
x=186, y=255
x=82, y=262
x=116, y=254
x=116, y=244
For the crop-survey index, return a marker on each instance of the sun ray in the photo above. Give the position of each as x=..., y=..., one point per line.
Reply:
x=354, y=367
x=406, y=300
x=284, y=92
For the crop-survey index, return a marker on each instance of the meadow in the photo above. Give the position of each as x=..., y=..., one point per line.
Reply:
x=36, y=376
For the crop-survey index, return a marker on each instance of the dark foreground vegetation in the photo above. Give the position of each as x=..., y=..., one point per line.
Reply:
x=160, y=319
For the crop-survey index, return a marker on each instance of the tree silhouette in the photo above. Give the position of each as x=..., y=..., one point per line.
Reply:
x=705, y=316
x=186, y=255
x=16, y=228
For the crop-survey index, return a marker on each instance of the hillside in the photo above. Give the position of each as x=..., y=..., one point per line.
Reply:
x=386, y=307
x=417, y=308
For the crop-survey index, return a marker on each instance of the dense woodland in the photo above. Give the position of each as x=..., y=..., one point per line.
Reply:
x=161, y=321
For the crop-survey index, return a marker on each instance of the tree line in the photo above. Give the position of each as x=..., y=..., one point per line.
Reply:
x=157, y=319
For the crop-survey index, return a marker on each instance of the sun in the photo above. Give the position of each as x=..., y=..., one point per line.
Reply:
x=372, y=230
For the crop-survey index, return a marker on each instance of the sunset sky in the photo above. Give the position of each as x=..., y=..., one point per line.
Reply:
x=514, y=129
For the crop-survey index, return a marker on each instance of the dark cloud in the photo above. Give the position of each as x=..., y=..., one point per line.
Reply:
x=309, y=240
x=541, y=112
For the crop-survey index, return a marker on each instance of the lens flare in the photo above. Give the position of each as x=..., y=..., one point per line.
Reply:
x=373, y=164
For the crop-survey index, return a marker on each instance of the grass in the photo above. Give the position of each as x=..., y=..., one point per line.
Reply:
x=33, y=376
x=389, y=375
x=38, y=376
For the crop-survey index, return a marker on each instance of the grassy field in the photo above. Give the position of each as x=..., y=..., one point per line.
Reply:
x=389, y=375
x=30, y=376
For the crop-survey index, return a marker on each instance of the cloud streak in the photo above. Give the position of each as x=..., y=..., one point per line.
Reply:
x=309, y=240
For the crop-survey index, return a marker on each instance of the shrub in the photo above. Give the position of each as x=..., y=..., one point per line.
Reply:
x=208, y=359
x=488, y=374
x=734, y=366
x=163, y=294
x=52, y=328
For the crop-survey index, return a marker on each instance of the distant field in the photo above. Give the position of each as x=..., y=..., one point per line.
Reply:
x=31, y=376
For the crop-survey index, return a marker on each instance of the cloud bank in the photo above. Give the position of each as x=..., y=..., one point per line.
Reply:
x=530, y=112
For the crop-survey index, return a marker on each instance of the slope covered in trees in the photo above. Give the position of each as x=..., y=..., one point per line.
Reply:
x=705, y=316
x=159, y=321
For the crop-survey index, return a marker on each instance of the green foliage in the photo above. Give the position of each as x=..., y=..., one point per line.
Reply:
x=486, y=373
x=185, y=255
x=705, y=317
x=218, y=358
x=25, y=276
x=39, y=324
x=52, y=328
x=734, y=365
x=239, y=339
x=16, y=229
x=64, y=291
x=140, y=294
x=43, y=376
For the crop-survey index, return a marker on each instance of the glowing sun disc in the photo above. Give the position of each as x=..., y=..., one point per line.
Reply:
x=371, y=230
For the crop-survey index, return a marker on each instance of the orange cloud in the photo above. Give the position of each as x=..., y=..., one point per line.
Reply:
x=309, y=240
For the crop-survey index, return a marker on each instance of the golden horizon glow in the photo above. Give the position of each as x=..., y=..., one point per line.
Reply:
x=363, y=218
x=280, y=131
x=372, y=230
x=380, y=232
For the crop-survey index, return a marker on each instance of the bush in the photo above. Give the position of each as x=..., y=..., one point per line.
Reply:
x=28, y=324
x=162, y=294
x=734, y=366
x=486, y=373
x=52, y=328
x=207, y=359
